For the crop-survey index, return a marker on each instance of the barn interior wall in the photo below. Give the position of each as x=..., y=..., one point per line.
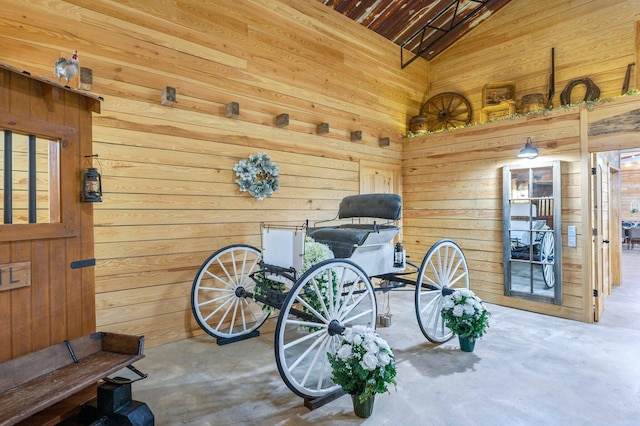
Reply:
x=453, y=189
x=170, y=197
x=452, y=181
x=591, y=39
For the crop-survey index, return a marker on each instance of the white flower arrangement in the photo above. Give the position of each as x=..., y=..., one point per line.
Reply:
x=465, y=314
x=259, y=176
x=314, y=252
x=364, y=363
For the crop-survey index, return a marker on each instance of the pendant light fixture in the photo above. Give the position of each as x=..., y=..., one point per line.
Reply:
x=529, y=151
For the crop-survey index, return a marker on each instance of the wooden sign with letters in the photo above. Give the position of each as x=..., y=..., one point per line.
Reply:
x=15, y=275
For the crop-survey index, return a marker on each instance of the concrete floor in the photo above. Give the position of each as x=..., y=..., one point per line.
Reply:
x=529, y=369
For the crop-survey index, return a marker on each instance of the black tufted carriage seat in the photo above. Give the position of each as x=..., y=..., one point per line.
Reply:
x=344, y=239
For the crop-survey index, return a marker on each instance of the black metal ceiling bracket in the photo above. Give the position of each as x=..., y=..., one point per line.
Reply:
x=429, y=25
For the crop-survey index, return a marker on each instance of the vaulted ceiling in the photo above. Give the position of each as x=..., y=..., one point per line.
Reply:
x=423, y=28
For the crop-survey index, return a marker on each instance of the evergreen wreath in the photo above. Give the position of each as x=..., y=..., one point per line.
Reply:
x=259, y=176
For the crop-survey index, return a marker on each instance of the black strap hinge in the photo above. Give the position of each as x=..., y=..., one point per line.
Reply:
x=83, y=263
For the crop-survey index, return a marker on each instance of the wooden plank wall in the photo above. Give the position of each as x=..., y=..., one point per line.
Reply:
x=452, y=181
x=453, y=189
x=613, y=128
x=169, y=194
x=630, y=190
x=170, y=197
x=592, y=38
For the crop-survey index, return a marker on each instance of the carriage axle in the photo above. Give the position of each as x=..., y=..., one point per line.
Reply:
x=335, y=328
x=447, y=290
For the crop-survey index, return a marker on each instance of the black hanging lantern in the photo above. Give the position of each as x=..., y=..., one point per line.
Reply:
x=91, y=186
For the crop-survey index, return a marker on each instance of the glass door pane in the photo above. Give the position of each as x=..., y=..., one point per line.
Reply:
x=530, y=226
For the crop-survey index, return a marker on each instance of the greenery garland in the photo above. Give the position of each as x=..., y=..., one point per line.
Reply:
x=589, y=104
x=259, y=176
x=314, y=252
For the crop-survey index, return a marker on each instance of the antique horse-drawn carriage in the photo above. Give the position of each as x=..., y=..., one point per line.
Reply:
x=238, y=286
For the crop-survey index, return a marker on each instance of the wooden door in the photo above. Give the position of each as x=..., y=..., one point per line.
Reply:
x=602, y=237
x=378, y=178
x=615, y=228
x=605, y=216
x=47, y=290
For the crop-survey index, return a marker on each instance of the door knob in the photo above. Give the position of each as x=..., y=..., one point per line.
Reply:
x=605, y=241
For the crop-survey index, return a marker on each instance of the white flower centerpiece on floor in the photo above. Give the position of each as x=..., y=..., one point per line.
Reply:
x=364, y=365
x=466, y=316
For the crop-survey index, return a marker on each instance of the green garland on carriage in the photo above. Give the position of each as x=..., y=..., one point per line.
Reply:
x=314, y=252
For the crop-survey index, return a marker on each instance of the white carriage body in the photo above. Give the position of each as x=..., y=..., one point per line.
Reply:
x=378, y=258
x=370, y=246
x=283, y=247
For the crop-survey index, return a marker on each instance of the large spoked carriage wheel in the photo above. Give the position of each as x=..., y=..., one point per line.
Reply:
x=443, y=269
x=329, y=297
x=220, y=296
x=446, y=110
x=546, y=257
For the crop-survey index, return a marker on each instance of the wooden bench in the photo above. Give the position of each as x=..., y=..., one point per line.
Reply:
x=36, y=381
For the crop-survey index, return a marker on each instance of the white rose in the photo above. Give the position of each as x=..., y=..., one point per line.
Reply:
x=359, y=329
x=369, y=361
x=357, y=339
x=447, y=303
x=469, y=310
x=369, y=336
x=466, y=292
x=371, y=347
x=458, y=310
x=348, y=335
x=382, y=344
x=344, y=353
x=383, y=358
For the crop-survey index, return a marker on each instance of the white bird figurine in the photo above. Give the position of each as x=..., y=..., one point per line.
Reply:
x=67, y=68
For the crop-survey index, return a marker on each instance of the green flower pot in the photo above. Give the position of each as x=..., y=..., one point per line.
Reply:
x=467, y=343
x=362, y=409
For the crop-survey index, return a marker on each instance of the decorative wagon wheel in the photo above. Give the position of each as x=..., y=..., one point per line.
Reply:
x=331, y=296
x=546, y=257
x=443, y=269
x=221, y=294
x=446, y=111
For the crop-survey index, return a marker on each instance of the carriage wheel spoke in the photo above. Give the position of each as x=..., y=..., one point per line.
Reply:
x=218, y=303
x=443, y=266
x=301, y=345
